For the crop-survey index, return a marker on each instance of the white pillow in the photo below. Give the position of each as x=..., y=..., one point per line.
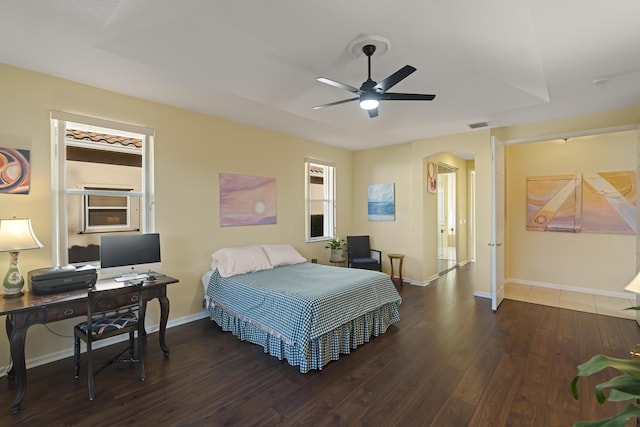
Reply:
x=282, y=255
x=240, y=260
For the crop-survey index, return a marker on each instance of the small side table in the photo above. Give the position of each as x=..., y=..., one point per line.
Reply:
x=401, y=258
x=338, y=262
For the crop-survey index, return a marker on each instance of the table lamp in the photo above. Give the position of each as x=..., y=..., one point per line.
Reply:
x=16, y=235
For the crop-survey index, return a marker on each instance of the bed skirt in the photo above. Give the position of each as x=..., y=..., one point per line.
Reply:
x=315, y=353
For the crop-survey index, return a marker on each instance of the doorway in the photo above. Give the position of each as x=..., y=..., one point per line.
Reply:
x=447, y=219
x=472, y=215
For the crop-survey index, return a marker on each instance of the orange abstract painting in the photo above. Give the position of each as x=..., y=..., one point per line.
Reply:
x=15, y=171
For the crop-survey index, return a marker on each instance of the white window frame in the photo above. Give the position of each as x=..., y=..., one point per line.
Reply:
x=328, y=199
x=59, y=122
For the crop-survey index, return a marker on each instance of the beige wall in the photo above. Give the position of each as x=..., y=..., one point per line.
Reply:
x=602, y=262
x=190, y=151
x=414, y=232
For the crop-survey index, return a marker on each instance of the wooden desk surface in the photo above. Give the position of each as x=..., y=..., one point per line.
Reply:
x=30, y=301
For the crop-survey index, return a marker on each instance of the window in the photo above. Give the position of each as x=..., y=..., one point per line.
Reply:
x=320, y=210
x=103, y=174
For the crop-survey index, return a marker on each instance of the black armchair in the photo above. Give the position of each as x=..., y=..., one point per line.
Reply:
x=360, y=254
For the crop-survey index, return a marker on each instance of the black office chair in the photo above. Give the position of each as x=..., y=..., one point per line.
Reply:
x=112, y=312
x=360, y=254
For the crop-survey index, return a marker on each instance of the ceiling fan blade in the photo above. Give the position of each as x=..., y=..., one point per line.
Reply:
x=339, y=85
x=335, y=103
x=373, y=113
x=405, y=97
x=394, y=78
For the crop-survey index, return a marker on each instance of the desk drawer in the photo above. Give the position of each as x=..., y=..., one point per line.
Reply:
x=153, y=292
x=66, y=311
x=124, y=300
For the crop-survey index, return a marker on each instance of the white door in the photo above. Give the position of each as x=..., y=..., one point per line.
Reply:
x=497, y=223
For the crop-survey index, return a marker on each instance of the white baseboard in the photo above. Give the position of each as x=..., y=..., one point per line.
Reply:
x=415, y=282
x=482, y=294
x=52, y=357
x=556, y=286
x=421, y=283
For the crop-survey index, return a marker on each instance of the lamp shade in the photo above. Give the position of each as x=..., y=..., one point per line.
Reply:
x=17, y=235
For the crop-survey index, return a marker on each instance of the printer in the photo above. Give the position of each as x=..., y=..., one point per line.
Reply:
x=53, y=280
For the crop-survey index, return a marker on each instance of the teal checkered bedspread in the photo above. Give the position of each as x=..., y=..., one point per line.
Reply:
x=302, y=302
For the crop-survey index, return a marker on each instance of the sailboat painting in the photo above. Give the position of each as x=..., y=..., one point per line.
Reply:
x=609, y=202
x=603, y=202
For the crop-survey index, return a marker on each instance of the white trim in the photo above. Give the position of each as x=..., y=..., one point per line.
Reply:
x=432, y=278
x=415, y=282
x=122, y=193
x=60, y=120
x=570, y=288
x=319, y=162
x=107, y=124
x=328, y=201
x=482, y=294
x=574, y=134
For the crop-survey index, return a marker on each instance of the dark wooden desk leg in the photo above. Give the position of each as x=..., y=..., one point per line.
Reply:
x=164, y=317
x=17, y=343
x=143, y=315
x=11, y=374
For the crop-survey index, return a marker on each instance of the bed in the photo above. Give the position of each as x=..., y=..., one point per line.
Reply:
x=308, y=314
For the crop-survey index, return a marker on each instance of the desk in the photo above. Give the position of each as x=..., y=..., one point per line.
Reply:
x=22, y=312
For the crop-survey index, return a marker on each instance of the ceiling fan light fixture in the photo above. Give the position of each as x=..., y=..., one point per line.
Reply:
x=371, y=93
x=369, y=103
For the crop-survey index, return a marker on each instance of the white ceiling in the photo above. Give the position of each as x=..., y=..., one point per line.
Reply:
x=255, y=61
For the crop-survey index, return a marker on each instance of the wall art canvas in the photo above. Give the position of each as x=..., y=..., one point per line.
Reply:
x=381, y=202
x=432, y=177
x=553, y=203
x=247, y=200
x=603, y=202
x=609, y=202
x=15, y=171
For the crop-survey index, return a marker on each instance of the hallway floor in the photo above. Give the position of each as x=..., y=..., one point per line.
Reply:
x=597, y=304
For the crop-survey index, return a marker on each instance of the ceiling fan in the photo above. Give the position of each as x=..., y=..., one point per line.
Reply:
x=371, y=93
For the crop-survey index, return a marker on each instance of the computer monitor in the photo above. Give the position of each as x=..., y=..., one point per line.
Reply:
x=129, y=254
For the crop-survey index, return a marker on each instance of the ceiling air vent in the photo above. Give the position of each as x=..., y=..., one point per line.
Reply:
x=479, y=125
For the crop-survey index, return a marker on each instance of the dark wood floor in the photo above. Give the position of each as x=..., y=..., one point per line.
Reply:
x=450, y=361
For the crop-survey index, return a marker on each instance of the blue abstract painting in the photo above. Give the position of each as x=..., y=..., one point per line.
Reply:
x=382, y=202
